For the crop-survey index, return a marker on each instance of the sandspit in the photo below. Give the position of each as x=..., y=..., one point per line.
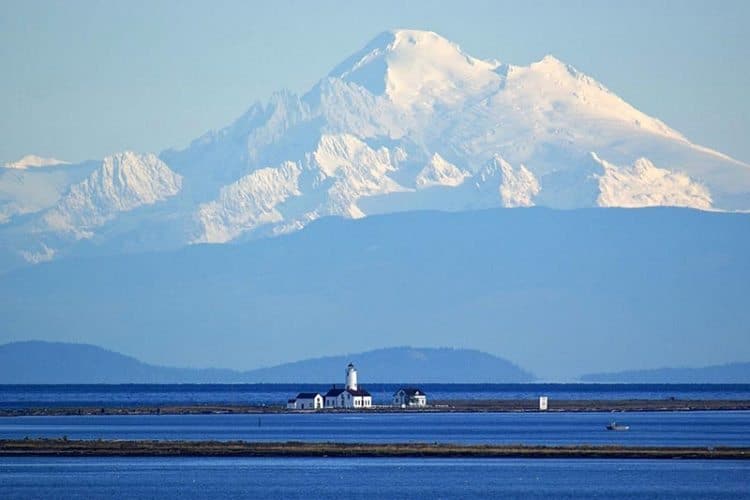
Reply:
x=71, y=448
x=625, y=405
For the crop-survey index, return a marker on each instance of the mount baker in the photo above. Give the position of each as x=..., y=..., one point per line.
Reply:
x=408, y=122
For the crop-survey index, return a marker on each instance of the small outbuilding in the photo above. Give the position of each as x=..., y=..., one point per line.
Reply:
x=409, y=397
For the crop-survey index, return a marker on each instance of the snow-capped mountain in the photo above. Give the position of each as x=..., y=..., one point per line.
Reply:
x=120, y=184
x=439, y=172
x=124, y=181
x=30, y=161
x=408, y=122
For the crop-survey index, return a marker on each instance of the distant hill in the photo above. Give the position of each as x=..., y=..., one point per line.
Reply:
x=733, y=373
x=37, y=362
x=401, y=364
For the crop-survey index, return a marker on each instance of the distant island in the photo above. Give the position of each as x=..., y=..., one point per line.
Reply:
x=40, y=362
x=37, y=362
x=732, y=373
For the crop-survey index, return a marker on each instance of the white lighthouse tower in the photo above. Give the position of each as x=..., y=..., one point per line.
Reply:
x=351, y=377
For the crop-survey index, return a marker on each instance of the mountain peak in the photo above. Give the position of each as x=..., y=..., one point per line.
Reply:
x=425, y=39
x=416, y=69
x=550, y=60
x=551, y=65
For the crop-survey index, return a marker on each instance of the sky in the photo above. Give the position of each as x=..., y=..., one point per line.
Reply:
x=83, y=78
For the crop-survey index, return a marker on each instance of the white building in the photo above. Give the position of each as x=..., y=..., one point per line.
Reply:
x=409, y=397
x=351, y=396
x=306, y=401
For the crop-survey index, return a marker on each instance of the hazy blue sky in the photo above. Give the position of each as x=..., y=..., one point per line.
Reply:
x=81, y=79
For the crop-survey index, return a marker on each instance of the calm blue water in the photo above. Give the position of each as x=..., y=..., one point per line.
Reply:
x=708, y=428
x=31, y=477
x=22, y=396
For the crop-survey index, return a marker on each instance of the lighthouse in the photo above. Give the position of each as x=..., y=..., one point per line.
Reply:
x=351, y=377
x=351, y=396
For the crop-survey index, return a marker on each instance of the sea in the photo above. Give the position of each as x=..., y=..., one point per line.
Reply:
x=323, y=477
x=386, y=478
x=24, y=396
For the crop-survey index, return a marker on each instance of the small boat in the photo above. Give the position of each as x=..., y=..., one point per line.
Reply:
x=614, y=426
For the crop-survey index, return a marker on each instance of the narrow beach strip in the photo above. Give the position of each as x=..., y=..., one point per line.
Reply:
x=448, y=406
x=102, y=448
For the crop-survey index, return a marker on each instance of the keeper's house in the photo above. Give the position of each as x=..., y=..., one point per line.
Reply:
x=306, y=401
x=409, y=397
